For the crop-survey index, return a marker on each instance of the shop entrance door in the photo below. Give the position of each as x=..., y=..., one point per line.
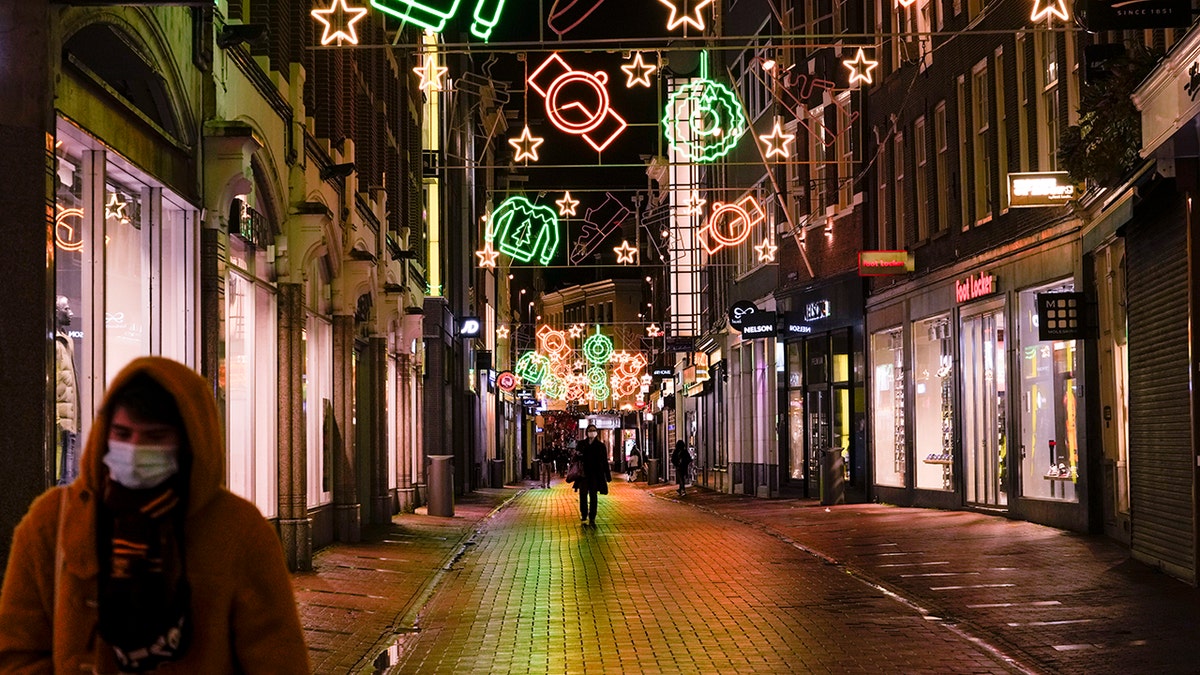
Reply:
x=984, y=376
x=819, y=436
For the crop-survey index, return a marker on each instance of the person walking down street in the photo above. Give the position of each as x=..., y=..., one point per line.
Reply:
x=145, y=561
x=633, y=463
x=593, y=456
x=546, y=457
x=682, y=459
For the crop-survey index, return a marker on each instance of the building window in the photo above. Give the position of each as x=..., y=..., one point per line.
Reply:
x=941, y=143
x=887, y=357
x=933, y=403
x=844, y=147
x=981, y=118
x=817, y=171
x=1001, y=132
x=898, y=156
x=1022, y=105
x=964, y=144
x=318, y=407
x=922, y=198
x=1045, y=44
x=884, y=205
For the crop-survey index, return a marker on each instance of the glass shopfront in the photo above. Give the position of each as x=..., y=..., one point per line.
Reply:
x=891, y=452
x=985, y=405
x=318, y=406
x=795, y=410
x=933, y=402
x=125, y=275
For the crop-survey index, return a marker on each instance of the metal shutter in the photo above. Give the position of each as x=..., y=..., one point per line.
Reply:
x=1160, y=454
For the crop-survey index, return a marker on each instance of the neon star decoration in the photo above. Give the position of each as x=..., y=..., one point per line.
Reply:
x=526, y=145
x=730, y=224
x=703, y=119
x=487, y=257
x=766, y=251
x=860, y=67
x=115, y=208
x=591, y=117
x=777, y=141
x=653, y=330
x=576, y=330
x=695, y=205
x=431, y=73
x=566, y=205
x=692, y=18
x=638, y=72
x=525, y=230
x=344, y=17
x=625, y=253
x=1044, y=9
x=502, y=333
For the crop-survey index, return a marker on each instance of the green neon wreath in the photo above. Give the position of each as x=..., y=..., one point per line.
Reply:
x=712, y=122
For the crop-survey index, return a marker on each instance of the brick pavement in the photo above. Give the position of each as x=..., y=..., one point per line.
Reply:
x=657, y=587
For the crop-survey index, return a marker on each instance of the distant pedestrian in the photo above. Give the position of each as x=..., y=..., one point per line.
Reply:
x=593, y=456
x=145, y=559
x=633, y=463
x=546, y=457
x=682, y=459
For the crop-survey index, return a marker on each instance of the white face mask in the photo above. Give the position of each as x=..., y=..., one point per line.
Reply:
x=141, y=466
x=593, y=434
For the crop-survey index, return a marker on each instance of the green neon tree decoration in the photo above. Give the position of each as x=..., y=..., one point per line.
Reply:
x=712, y=122
x=513, y=225
x=598, y=348
x=434, y=14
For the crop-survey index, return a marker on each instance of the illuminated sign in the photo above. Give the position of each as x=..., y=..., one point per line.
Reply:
x=881, y=263
x=526, y=145
x=434, y=14
x=739, y=311
x=637, y=72
x=860, y=67
x=469, y=327
x=566, y=205
x=759, y=325
x=514, y=224
x=487, y=257
x=625, y=253
x=1033, y=189
x=593, y=119
x=431, y=73
x=777, y=141
x=344, y=17
x=703, y=119
x=820, y=309
x=795, y=325
x=663, y=372
x=598, y=348
x=1061, y=316
x=976, y=286
x=1044, y=9
x=738, y=219
x=692, y=18
x=1123, y=15
x=766, y=251
x=506, y=380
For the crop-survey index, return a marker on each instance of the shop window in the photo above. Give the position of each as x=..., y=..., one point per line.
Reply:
x=318, y=407
x=125, y=278
x=887, y=358
x=933, y=403
x=1051, y=394
x=795, y=408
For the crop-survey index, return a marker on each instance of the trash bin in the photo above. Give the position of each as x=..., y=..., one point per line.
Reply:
x=833, y=473
x=652, y=471
x=496, y=473
x=441, y=485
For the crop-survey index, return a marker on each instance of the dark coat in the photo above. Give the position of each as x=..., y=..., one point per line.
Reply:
x=596, y=473
x=681, y=457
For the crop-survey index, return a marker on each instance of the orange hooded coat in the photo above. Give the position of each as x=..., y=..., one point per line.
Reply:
x=243, y=606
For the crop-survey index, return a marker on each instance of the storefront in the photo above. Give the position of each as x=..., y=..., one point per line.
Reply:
x=974, y=403
x=821, y=386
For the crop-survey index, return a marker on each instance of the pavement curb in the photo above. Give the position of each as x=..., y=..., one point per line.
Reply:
x=385, y=652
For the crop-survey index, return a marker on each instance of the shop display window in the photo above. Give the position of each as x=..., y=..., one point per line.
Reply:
x=1050, y=398
x=318, y=407
x=795, y=408
x=984, y=415
x=125, y=264
x=933, y=403
x=887, y=357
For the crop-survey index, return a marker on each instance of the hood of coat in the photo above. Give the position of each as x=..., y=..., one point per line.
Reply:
x=202, y=428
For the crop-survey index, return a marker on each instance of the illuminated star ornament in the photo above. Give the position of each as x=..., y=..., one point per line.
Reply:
x=576, y=331
x=637, y=72
x=860, y=67
x=1043, y=9
x=625, y=253
x=344, y=17
x=777, y=141
x=566, y=205
x=766, y=251
x=679, y=18
x=115, y=208
x=431, y=74
x=653, y=330
x=502, y=333
x=487, y=257
x=695, y=205
x=526, y=145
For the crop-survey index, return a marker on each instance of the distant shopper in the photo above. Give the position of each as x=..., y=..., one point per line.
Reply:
x=634, y=462
x=546, y=458
x=682, y=459
x=593, y=456
x=145, y=562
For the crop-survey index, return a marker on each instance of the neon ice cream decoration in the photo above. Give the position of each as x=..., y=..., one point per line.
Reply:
x=598, y=348
x=435, y=14
x=730, y=224
x=592, y=119
x=346, y=17
x=703, y=119
x=525, y=230
x=532, y=367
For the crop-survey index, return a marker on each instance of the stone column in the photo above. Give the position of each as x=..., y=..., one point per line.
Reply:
x=381, y=500
x=405, y=423
x=295, y=528
x=347, y=521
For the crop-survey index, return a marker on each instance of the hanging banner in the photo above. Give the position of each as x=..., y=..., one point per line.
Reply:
x=1123, y=14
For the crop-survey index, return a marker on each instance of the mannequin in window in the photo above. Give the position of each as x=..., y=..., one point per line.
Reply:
x=66, y=389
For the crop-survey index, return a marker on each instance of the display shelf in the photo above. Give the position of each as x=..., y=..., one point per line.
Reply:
x=946, y=462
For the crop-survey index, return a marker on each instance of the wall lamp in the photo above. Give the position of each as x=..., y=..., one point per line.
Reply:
x=234, y=33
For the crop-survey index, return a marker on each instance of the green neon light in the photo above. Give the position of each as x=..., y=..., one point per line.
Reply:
x=598, y=381
x=486, y=18
x=712, y=122
x=434, y=15
x=598, y=348
x=554, y=387
x=532, y=367
x=514, y=224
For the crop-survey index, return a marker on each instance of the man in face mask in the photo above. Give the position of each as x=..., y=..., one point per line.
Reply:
x=593, y=456
x=145, y=562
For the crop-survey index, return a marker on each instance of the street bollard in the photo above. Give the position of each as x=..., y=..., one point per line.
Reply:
x=441, y=485
x=496, y=473
x=652, y=471
x=832, y=477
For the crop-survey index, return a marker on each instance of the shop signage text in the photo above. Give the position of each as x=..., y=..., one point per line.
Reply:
x=973, y=287
x=1123, y=14
x=759, y=325
x=1034, y=189
x=739, y=311
x=794, y=324
x=881, y=263
x=820, y=309
x=662, y=372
